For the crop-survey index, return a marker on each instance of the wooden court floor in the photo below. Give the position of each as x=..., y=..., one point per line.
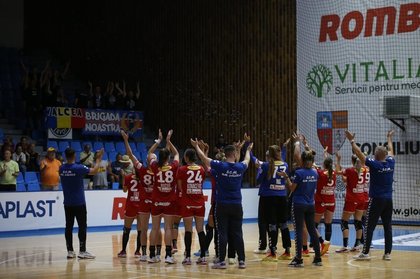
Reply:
x=45, y=257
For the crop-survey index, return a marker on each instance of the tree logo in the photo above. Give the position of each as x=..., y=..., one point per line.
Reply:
x=319, y=80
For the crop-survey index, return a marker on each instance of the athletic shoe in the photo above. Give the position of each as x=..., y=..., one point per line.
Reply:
x=260, y=251
x=153, y=260
x=71, y=255
x=169, y=260
x=305, y=253
x=232, y=261
x=317, y=261
x=186, y=261
x=137, y=254
x=311, y=250
x=143, y=258
x=386, y=257
x=362, y=257
x=296, y=262
x=343, y=250
x=215, y=260
x=202, y=261
x=198, y=253
x=242, y=265
x=324, y=247
x=86, y=255
x=270, y=258
x=285, y=257
x=122, y=254
x=357, y=248
x=219, y=265
x=158, y=258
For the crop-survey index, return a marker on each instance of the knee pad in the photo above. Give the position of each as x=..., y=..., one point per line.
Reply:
x=272, y=227
x=344, y=225
x=283, y=226
x=175, y=226
x=358, y=225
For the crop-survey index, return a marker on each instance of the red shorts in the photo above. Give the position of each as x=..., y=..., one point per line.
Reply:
x=192, y=210
x=321, y=207
x=352, y=206
x=366, y=205
x=145, y=206
x=164, y=208
x=131, y=210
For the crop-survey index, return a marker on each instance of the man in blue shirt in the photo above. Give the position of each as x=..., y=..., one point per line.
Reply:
x=380, y=193
x=229, y=213
x=72, y=175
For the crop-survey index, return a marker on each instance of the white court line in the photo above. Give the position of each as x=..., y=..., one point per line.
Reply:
x=381, y=268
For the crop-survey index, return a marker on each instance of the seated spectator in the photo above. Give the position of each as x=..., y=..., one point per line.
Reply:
x=7, y=145
x=49, y=168
x=86, y=156
x=20, y=158
x=24, y=143
x=9, y=170
x=32, y=160
x=116, y=167
x=100, y=179
x=127, y=167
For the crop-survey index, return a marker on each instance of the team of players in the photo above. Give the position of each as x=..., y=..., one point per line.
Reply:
x=165, y=189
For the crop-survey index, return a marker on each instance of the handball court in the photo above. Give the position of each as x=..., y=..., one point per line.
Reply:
x=44, y=256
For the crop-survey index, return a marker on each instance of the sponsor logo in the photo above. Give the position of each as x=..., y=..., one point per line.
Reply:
x=60, y=132
x=319, y=80
x=21, y=209
x=330, y=129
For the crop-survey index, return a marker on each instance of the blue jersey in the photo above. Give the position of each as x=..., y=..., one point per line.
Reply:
x=306, y=180
x=274, y=185
x=72, y=181
x=381, y=177
x=228, y=181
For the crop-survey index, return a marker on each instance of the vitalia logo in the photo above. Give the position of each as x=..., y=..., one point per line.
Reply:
x=373, y=22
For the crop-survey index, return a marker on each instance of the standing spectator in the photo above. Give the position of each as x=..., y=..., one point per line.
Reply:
x=220, y=145
x=49, y=171
x=9, y=170
x=121, y=96
x=32, y=160
x=116, y=167
x=72, y=175
x=130, y=102
x=97, y=100
x=24, y=143
x=86, y=156
x=139, y=105
x=62, y=100
x=20, y=158
x=82, y=99
x=100, y=179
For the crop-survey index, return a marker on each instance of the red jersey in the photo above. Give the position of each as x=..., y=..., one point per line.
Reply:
x=146, y=178
x=133, y=185
x=164, y=189
x=325, y=189
x=192, y=179
x=356, y=184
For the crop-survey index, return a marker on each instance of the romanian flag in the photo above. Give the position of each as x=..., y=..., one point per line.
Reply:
x=61, y=117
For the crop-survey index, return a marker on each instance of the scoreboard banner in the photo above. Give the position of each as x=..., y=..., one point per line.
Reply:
x=358, y=68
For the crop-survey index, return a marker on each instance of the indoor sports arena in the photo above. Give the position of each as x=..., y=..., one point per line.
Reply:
x=210, y=139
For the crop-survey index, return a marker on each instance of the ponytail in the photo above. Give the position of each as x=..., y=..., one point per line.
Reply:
x=274, y=153
x=163, y=157
x=328, y=162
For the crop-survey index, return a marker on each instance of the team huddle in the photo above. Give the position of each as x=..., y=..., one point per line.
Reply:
x=304, y=194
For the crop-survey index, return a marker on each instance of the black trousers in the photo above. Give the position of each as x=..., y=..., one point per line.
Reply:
x=262, y=227
x=229, y=226
x=378, y=208
x=80, y=214
x=304, y=213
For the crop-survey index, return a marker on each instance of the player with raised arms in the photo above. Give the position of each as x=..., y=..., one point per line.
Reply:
x=164, y=196
x=190, y=184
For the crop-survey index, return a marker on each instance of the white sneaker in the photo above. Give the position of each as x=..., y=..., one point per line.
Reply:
x=260, y=251
x=362, y=257
x=71, y=255
x=158, y=258
x=86, y=255
x=170, y=260
x=153, y=260
x=232, y=261
x=386, y=257
x=143, y=258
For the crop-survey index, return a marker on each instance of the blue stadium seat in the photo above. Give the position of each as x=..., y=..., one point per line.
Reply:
x=138, y=155
x=1, y=134
x=133, y=146
x=76, y=146
x=120, y=147
x=53, y=144
x=20, y=187
x=34, y=186
x=109, y=147
x=60, y=187
x=207, y=184
x=141, y=146
x=105, y=156
x=31, y=176
x=63, y=145
x=77, y=157
x=112, y=156
x=20, y=179
x=115, y=186
x=97, y=145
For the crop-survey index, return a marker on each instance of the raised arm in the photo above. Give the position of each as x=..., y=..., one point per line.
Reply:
x=95, y=169
x=389, y=136
x=156, y=144
x=362, y=157
x=128, y=147
x=172, y=147
x=206, y=160
x=326, y=152
x=248, y=154
x=338, y=163
x=296, y=150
